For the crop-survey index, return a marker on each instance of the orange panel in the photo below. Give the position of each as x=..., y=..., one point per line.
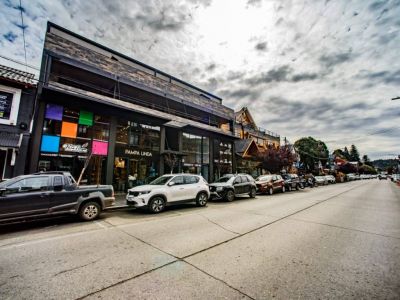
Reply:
x=69, y=129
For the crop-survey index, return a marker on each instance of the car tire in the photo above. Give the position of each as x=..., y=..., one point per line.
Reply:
x=89, y=211
x=156, y=205
x=230, y=196
x=297, y=187
x=289, y=188
x=201, y=199
x=270, y=191
x=283, y=189
x=253, y=192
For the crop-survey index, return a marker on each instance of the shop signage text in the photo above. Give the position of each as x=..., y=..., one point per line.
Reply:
x=76, y=148
x=138, y=153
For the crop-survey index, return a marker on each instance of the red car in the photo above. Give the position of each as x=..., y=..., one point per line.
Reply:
x=269, y=184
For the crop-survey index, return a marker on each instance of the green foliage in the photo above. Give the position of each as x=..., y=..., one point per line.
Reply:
x=354, y=154
x=366, y=169
x=311, y=151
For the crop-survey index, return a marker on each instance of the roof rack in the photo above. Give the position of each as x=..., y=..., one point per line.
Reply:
x=50, y=172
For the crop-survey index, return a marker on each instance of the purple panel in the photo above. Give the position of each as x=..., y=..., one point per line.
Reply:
x=54, y=112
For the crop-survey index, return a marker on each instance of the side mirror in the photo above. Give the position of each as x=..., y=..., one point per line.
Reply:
x=171, y=183
x=58, y=188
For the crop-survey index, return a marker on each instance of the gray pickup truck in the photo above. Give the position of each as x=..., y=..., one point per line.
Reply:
x=49, y=194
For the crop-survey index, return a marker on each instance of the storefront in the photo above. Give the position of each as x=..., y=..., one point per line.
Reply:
x=70, y=137
x=137, y=154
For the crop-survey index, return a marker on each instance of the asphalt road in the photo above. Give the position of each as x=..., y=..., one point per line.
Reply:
x=339, y=241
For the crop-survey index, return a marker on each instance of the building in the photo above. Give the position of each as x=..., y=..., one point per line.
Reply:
x=253, y=142
x=17, y=97
x=127, y=121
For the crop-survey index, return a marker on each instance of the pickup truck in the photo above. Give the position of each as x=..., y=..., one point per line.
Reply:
x=50, y=194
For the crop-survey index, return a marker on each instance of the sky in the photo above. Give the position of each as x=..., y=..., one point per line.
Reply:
x=321, y=68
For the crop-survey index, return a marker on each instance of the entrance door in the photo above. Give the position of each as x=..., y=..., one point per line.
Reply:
x=120, y=174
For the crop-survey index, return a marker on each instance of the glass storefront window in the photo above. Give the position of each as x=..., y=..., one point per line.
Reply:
x=197, y=154
x=137, y=154
x=222, y=158
x=68, y=137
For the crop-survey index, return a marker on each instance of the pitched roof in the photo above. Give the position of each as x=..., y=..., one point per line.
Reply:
x=244, y=111
x=15, y=75
x=243, y=146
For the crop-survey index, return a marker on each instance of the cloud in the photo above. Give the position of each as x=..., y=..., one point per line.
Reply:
x=377, y=5
x=262, y=46
x=387, y=77
x=331, y=60
x=10, y=36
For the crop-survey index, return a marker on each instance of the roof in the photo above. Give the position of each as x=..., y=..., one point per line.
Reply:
x=50, y=24
x=55, y=86
x=9, y=140
x=15, y=75
x=245, y=111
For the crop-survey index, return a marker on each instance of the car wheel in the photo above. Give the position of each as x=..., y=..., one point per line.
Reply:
x=253, y=192
x=230, y=196
x=89, y=211
x=289, y=188
x=270, y=191
x=297, y=187
x=283, y=189
x=156, y=205
x=201, y=199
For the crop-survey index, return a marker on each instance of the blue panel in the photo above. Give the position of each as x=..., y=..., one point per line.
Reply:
x=50, y=143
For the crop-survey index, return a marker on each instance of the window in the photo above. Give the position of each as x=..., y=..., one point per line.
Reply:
x=238, y=180
x=178, y=180
x=191, y=179
x=244, y=179
x=58, y=180
x=9, y=105
x=32, y=183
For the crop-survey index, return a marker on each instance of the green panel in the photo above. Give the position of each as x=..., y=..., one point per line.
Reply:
x=86, y=118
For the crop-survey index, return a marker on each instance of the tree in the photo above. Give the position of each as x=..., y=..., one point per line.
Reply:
x=346, y=153
x=354, y=154
x=274, y=159
x=311, y=152
x=366, y=160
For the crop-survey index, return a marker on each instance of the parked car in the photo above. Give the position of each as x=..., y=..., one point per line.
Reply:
x=382, y=176
x=270, y=184
x=310, y=180
x=169, y=189
x=330, y=178
x=49, y=194
x=351, y=177
x=229, y=186
x=321, y=180
x=292, y=181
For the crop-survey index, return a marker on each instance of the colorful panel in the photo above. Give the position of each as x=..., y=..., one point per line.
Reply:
x=50, y=143
x=69, y=129
x=54, y=112
x=85, y=118
x=99, y=148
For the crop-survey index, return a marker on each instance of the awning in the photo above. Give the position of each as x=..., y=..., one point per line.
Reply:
x=55, y=86
x=9, y=140
x=175, y=124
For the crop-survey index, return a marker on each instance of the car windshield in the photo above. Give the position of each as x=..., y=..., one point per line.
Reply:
x=264, y=178
x=6, y=183
x=224, y=179
x=161, y=180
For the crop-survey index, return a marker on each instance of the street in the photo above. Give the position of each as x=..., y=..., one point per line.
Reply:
x=336, y=241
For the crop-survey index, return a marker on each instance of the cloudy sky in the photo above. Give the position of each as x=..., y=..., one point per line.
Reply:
x=321, y=68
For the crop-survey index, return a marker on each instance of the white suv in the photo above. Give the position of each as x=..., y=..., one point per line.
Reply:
x=169, y=189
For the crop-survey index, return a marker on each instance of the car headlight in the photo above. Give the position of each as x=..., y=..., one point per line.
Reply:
x=219, y=188
x=143, y=193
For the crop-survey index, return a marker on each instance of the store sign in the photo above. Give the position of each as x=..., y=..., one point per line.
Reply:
x=5, y=104
x=138, y=153
x=75, y=148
